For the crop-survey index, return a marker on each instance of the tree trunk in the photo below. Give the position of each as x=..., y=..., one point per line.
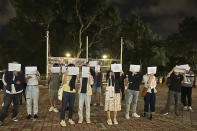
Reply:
x=80, y=42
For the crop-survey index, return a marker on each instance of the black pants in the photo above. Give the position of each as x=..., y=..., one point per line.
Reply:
x=122, y=91
x=8, y=98
x=67, y=99
x=173, y=95
x=186, y=92
x=150, y=100
x=23, y=95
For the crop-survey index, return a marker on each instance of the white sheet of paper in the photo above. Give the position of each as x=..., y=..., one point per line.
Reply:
x=98, y=68
x=151, y=70
x=116, y=67
x=179, y=69
x=31, y=70
x=186, y=67
x=55, y=70
x=93, y=63
x=134, y=68
x=14, y=67
x=85, y=72
x=73, y=70
x=63, y=69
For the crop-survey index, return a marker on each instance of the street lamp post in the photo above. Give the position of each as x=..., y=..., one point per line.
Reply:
x=86, y=48
x=121, y=47
x=47, y=53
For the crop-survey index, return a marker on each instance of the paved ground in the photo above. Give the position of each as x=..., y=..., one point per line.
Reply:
x=49, y=121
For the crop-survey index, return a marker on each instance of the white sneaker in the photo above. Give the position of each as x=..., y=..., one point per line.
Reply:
x=135, y=115
x=94, y=104
x=63, y=123
x=2, y=104
x=15, y=119
x=190, y=109
x=115, y=122
x=51, y=108
x=127, y=116
x=55, y=110
x=109, y=122
x=88, y=120
x=185, y=108
x=71, y=122
x=80, y=121
x=166, y=114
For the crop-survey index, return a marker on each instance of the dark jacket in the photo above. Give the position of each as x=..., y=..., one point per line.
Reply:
x=117, y=82
x=175, y=82
x=9, y=80
x=72, y=82
x=98, y=79
x=134, y=81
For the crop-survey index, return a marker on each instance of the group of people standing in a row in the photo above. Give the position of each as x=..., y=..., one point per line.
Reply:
x=178, y=84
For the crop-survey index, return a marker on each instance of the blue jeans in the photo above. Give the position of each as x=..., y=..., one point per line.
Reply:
x=8, y=98
x=67, y=98
x=84, y=98
x=132, y=96
x=32, y=94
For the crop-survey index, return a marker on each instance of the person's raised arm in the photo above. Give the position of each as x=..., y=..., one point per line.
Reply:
x=169, y=74
x=184, y=77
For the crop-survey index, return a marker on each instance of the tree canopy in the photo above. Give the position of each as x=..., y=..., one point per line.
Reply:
x=70, y=21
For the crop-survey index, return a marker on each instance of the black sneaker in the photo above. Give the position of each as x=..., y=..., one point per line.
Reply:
x=177, y=114
x=29, y=117
x=144, y=115
x=35, y=116
x=1, y=123
x=151, y=117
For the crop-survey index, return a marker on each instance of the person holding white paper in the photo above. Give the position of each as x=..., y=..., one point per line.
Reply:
x=85, y=92
x=150, y=97
x=186, y=90
x=135, y=80
x=13, y=86
x=112, y=98
x=54, y=84
x=174, y=89
x=69, y=83
x=32, y=93
x=97, y=86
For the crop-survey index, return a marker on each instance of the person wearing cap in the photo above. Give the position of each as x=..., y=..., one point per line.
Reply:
x=135, y=80
x=13, y=89
x=174, y=89
x=186, y=90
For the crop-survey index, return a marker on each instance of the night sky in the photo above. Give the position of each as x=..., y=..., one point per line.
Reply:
x=162, y=15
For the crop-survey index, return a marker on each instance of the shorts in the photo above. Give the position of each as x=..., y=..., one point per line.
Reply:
x=96, y=89
x=53, y=94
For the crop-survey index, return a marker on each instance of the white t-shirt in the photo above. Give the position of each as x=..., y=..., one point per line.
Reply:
x=33, y=81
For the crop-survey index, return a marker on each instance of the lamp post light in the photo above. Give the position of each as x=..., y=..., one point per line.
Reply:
x=104, y=56
x=68, y=55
